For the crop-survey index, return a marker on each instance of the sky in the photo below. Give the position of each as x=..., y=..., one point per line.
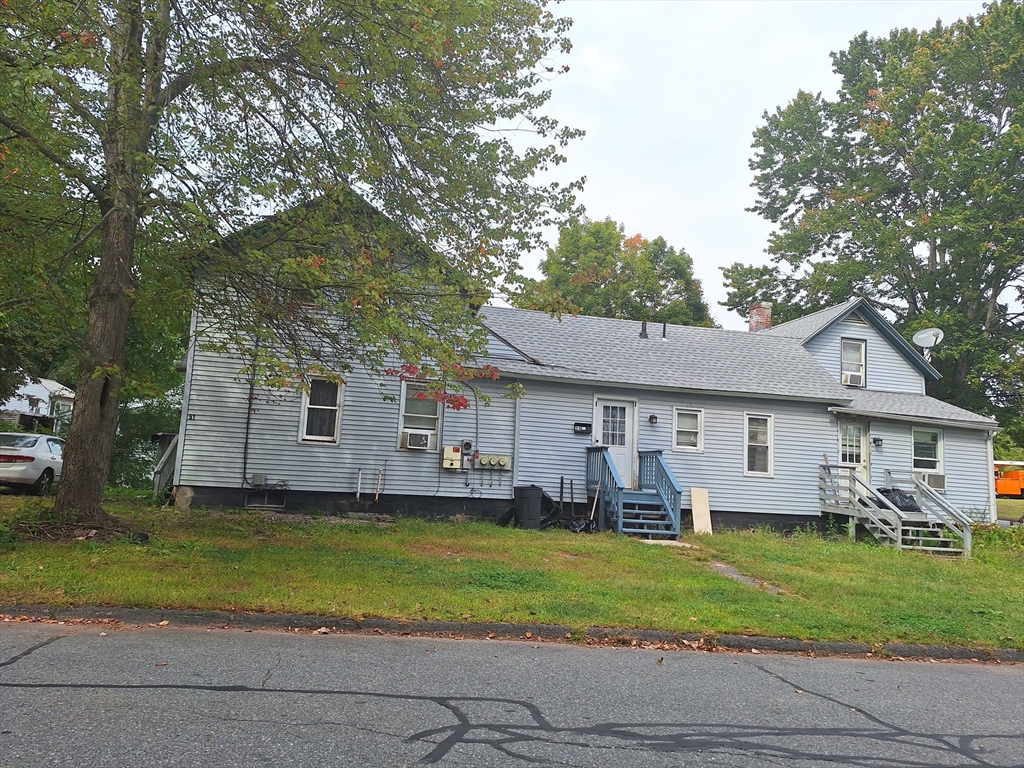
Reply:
x=670, y=93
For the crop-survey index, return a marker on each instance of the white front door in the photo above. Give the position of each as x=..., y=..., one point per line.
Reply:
x=853, y=448
x=615, y=429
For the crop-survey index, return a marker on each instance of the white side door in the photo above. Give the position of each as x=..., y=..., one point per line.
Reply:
x=55, y=452
x=853, y=448
x=615, y=429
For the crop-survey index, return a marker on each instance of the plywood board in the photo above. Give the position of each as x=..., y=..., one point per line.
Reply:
x=701, y=510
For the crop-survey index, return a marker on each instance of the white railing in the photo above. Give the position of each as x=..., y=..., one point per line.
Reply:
x=841, y=489
x=934, y=505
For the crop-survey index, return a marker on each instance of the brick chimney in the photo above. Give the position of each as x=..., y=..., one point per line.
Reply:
x=759, y=316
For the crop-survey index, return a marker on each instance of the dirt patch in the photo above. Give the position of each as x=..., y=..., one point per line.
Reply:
x=727, y=570
x=34, y=530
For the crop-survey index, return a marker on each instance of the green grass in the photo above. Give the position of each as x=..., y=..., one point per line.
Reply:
x=1010, y=509
x=831, y=590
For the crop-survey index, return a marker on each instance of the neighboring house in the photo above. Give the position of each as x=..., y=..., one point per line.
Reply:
x=39, y=403
x=765, y=421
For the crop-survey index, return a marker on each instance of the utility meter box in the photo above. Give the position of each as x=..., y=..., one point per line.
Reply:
x=498, y=461
x=452, y=457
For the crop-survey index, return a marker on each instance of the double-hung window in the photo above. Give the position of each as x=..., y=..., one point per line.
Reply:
x=928, y=450
x=689, y=429
x=758, y=444
x=321, y=409
x=854, y=369
x=421, y=417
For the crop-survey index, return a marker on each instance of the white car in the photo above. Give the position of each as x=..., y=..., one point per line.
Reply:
x=30, y=461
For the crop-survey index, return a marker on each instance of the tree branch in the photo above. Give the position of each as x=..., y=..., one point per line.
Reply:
x=53, y=157
x=182, y=82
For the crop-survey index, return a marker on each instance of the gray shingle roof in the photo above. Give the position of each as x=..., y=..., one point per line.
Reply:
x=702, y=359
x=808, y=325
x=870, y=402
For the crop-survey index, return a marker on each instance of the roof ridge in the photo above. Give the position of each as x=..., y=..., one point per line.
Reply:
x=816, y=312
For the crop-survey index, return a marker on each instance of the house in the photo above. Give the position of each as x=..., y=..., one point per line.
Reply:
x=39, y=402
x=779, y=425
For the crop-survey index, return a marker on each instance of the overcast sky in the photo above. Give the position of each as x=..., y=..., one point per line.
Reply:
x=669, y=94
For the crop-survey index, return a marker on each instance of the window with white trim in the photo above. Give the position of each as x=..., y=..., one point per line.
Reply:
x=421, y=415
x=853, y=367
x=321, y=409
x=689, y=429
x=928, y=450
x=758, y=444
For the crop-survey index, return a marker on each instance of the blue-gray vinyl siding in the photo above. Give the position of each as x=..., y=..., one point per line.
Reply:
x=886, y=368
x=214, y=438
x=803, y=433
x=964, y=462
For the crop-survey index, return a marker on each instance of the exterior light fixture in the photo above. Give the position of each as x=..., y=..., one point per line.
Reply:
x=653, y=418
x=876, y=441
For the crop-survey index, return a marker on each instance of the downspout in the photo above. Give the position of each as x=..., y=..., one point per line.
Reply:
x=990, y=450
x=248, y=416
x=515, y=450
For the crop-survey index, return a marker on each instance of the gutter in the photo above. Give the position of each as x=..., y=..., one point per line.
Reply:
x=664, y=388
x=986, y=425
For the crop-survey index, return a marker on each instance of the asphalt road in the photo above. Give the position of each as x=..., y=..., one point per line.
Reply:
x=70, y=695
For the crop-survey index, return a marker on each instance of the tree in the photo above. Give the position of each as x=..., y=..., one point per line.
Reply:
x=596, y=270
x=183, y=121
x=908, y=189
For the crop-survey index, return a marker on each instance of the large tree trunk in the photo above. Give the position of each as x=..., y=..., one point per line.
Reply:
x=100, y=376
x=102, y=358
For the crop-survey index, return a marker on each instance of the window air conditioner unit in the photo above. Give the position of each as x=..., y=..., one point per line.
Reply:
x=853, y=379
x=416, y=441
x=933, y=480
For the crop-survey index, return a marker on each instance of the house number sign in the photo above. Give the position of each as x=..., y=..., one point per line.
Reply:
x=582, y=429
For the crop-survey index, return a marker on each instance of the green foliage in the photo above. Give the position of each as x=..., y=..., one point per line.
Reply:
x=596, y=270
x=152, y=130
x=909, y=189
x=135, y=455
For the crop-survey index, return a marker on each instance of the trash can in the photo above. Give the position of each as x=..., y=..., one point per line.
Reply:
x=527, y=500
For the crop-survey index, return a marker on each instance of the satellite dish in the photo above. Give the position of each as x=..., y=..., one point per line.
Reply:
x=928, y=338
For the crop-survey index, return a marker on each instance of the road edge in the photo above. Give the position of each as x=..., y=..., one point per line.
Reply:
x=613, y=635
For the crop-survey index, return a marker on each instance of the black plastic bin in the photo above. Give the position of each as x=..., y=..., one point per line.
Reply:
x=528, y=502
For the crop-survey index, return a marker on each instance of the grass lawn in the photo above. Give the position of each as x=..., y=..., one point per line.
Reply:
x=1010, y=509
x=830, y=589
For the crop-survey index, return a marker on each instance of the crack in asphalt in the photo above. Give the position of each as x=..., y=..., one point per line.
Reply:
x=30, y=651
x=720, y=738
x=931, y=741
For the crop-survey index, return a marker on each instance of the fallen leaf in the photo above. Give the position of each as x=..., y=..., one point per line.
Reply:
x=693, y=618
x=322, y=631
x=529, y=635
x=161, y=664
x=754, y=650
x=798, y=690
x=163, y=623
x=661, y=659
x=103, y=634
